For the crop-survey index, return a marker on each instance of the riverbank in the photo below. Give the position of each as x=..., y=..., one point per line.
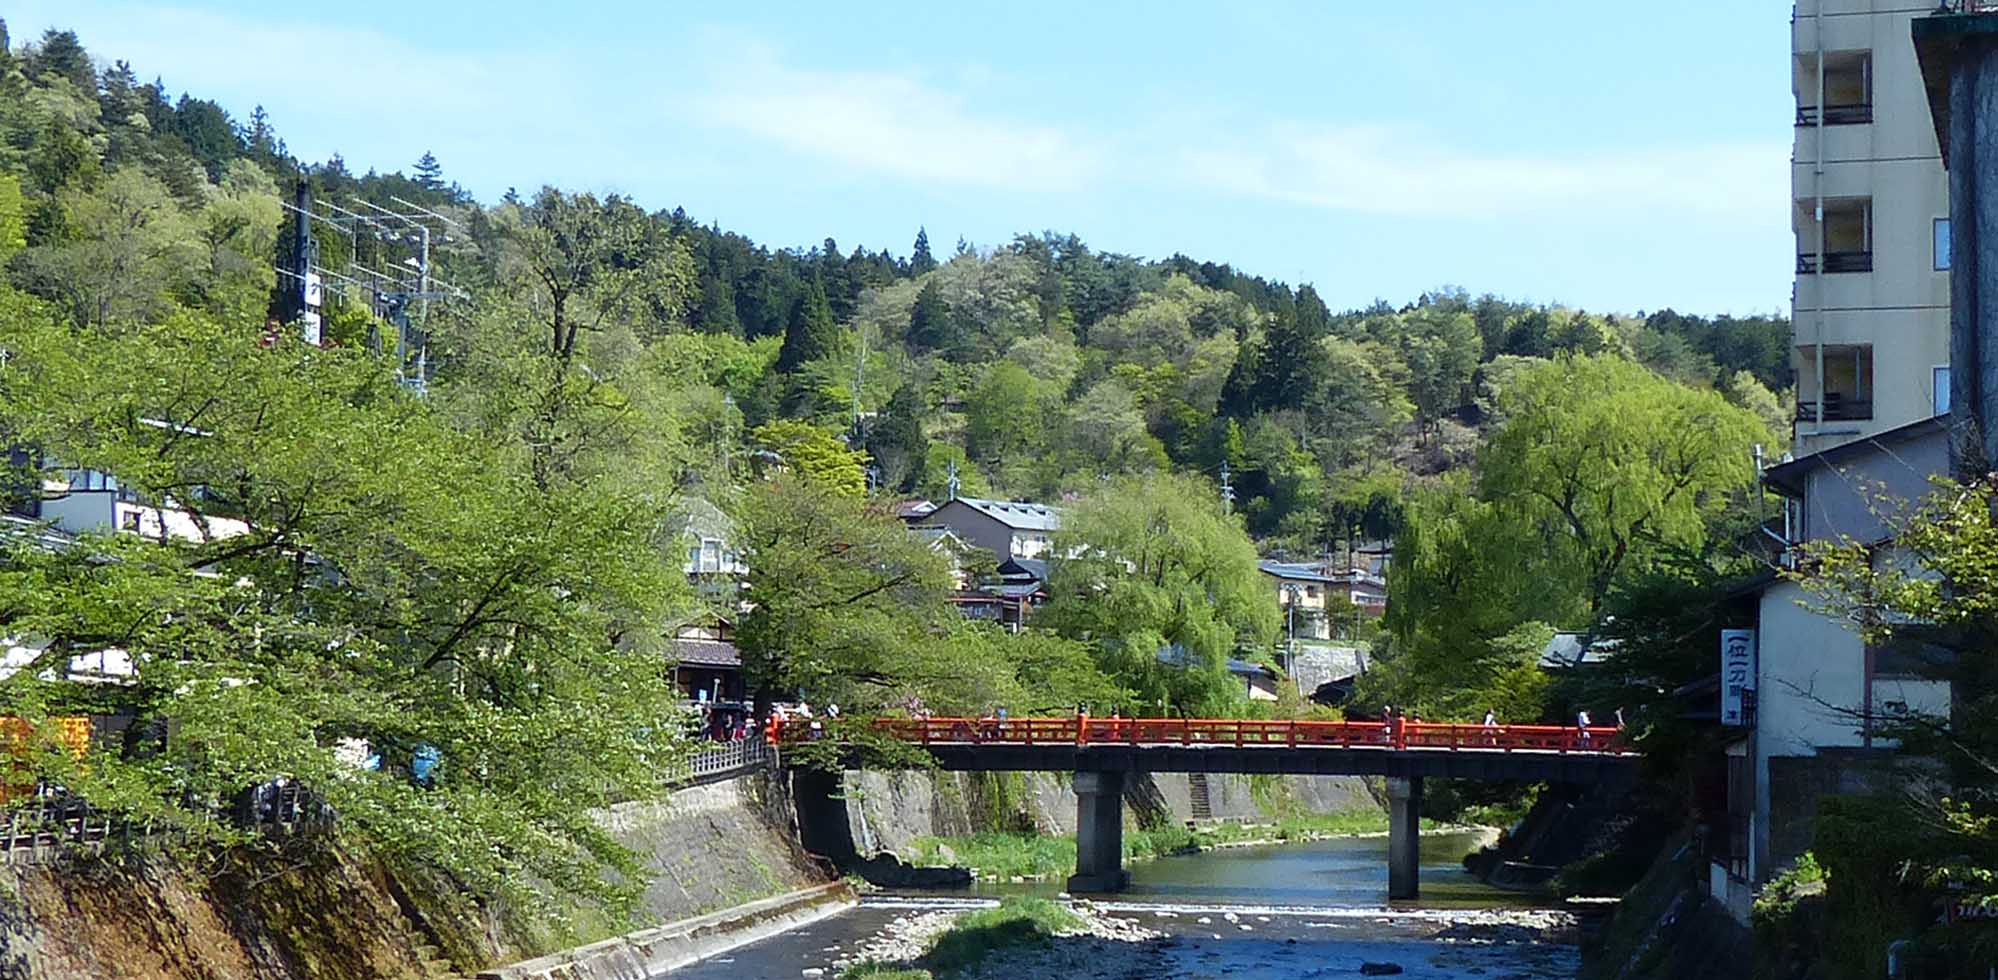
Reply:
x=896, y=939
x=1025, y=857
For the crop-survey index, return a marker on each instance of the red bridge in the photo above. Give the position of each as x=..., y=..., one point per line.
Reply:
x=1101, y=751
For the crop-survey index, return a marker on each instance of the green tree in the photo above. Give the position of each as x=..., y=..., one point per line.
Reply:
x=429, y=172
x=360, y=567
x=1162, y=581
x=810, y=333
x=932, y=326
x=1442, y=350
x=897, y=440
x=130, y=250
x=816, y=455
x=843, y=601
x=590, y=265
x=920, y=259
x=1622, y=467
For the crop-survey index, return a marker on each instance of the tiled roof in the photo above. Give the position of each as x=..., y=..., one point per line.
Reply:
x=15, y=529
x=707, y=653
x=1018, y=515
x=1015, y=568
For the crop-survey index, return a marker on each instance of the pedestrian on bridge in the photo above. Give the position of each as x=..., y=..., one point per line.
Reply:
x=1582, y=724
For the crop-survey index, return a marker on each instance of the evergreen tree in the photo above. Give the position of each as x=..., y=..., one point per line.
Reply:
x=716, y=313
x=1313, y=319
x=897, y=441
x=920, y=260
x=810, y=333
x=429, y=172
x=932, y=326
x=62, y=55
x=1290, y=368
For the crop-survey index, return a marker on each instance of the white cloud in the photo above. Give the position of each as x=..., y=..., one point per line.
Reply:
x=1403, y=172
x=894, y=125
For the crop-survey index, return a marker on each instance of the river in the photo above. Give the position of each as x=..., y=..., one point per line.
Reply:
x=1315, y=909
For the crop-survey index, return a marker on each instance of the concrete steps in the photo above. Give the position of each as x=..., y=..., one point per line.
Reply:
x=1200, y=803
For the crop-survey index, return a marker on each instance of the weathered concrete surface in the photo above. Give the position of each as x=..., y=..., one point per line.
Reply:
x=714, y=846
x=340, y=916
x=650, y=952
x=886, y=811
x=319, y=914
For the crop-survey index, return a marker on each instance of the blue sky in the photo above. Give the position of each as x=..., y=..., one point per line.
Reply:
x=1616, y=156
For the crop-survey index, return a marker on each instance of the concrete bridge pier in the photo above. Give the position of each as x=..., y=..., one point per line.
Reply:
x=1099, y=833
x=1404, y=837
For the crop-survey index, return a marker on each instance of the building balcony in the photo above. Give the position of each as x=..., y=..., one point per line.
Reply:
x=1836, y=409
x=1856, y=114
x=1834, y=262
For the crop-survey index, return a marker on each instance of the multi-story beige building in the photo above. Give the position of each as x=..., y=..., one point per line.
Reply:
x=1870, y=207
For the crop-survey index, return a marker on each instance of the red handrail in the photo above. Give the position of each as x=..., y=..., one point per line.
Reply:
x=1234, y=732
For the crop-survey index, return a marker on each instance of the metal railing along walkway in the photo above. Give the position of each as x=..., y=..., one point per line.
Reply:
x=1230, y=732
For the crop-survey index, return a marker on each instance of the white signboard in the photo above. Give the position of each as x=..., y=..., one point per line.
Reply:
x=309, y=319
x=1737, y=677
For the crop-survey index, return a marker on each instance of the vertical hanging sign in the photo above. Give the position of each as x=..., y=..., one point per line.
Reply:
x=309, y=317
x=1737, y=677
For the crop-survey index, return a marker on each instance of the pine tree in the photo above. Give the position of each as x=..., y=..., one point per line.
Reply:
x=810, y=333
x=61, y=54
x=931, y=324
x=897, y=441
x=717, y=310
x=921, y=261
x=429, y=172
x=1290, y=368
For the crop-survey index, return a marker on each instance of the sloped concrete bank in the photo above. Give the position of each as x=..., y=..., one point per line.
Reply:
x=326, y=913
x=650, y=952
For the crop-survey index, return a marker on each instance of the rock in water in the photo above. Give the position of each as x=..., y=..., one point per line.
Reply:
x=1379, y=969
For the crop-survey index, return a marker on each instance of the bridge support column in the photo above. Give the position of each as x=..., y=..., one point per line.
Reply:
x=1099, y=833
x=1404, y=837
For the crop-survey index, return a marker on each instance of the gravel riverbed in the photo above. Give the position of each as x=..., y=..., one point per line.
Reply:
x=1136, y=941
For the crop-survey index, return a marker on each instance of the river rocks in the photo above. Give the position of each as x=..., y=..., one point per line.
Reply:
x=1379, y=969
x=1105, y=946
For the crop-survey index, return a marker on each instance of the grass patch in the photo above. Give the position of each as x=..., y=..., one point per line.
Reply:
x=882, y=971
x=1003, y=855
x=999, y=854
x=975, y=935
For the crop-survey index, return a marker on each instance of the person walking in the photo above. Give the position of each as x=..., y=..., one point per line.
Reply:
x=1582, y=724
x=1491, y=727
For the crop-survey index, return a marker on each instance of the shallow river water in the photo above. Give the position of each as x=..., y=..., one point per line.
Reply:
x=1315, y=909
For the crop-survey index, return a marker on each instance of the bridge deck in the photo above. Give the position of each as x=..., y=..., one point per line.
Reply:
x=1403, y=749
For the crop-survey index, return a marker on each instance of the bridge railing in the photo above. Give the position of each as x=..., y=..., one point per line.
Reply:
x=1239, y=732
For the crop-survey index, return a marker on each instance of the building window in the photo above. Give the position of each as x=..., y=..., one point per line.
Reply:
x=1848, y=89
x=1847, y=385
x=1942, y=244
x=1846, y=232
x=1939, y=379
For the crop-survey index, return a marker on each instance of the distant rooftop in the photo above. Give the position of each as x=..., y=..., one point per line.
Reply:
x=1016, y=514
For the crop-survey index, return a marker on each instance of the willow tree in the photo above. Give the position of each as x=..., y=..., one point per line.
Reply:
x=1619, y=466
x=1161, y=579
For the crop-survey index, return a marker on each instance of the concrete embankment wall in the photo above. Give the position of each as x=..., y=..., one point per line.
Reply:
x=332, y=914
x=887, y=810
x=1664, y=928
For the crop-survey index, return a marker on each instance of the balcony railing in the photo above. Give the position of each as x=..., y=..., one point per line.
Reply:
x=1835, y=262
x=1969, y=6
x=1836, y=410
x=1836, y=115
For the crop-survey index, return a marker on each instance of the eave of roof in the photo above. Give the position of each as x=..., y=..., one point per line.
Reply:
x=1788, y=478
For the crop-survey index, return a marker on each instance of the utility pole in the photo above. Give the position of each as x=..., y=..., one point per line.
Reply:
x=1227, y=489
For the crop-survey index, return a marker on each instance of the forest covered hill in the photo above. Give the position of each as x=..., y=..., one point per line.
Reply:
x=1038, y=366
